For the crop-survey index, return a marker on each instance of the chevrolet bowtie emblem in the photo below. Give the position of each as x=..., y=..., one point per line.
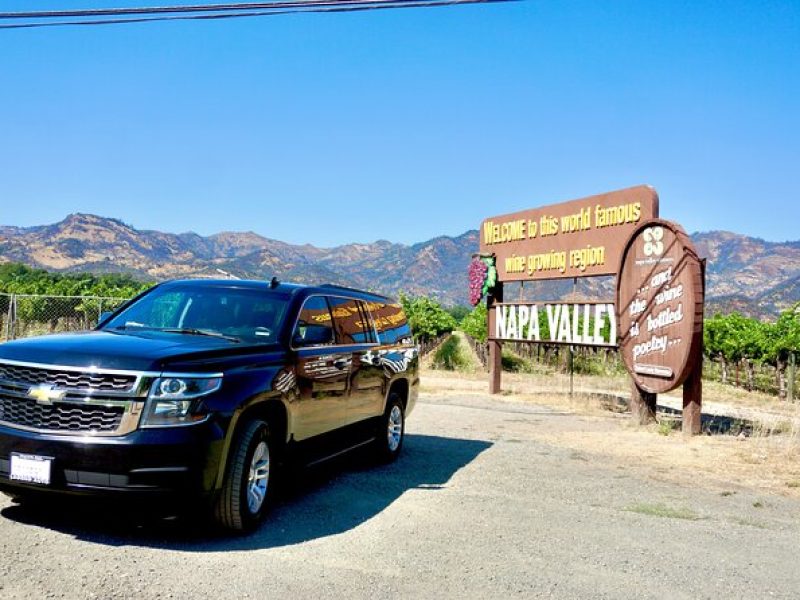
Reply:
x=45, y=394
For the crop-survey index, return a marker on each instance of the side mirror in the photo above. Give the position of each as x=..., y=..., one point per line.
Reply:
x=104, y=315
x=314, y=335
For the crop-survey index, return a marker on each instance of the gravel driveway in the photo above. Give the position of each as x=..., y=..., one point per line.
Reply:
x=476, y=507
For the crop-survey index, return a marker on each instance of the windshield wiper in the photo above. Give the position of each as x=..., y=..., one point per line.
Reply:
x=193, y=331
x=130, y=327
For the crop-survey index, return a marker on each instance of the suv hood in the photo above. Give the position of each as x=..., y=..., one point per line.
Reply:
x=141, y=351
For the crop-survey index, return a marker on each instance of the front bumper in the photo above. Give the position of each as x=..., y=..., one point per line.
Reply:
x=165, y=461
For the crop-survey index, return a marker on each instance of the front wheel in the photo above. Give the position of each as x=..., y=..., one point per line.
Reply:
x=391, y=431
x=244, y=497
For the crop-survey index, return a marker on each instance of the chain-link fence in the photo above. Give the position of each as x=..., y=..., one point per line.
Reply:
x=604, y=368
x=553, y=368
x=25, y=315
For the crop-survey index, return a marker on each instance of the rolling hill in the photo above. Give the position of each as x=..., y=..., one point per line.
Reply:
x=753, y=276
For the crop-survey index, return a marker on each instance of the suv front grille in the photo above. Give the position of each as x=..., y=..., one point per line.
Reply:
x=65, y=379
x=60, y=417
x=83, y=402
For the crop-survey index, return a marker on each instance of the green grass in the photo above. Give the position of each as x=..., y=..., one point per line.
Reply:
x=513, y=363
x=588, y=365
x=667, y=426
x=664, y=511
x=750, y=523
x=451, y=356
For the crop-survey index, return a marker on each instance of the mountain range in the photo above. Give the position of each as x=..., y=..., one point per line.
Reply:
x=747, y=274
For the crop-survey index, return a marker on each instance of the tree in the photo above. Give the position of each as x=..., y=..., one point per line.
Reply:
x=46, y=302
x=732, y=339
x=458, y=312
x=427, y=318
x=735, y=339
x=782, y=339
x=475, y=324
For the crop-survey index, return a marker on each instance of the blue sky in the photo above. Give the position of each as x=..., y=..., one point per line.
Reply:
x=405, y=124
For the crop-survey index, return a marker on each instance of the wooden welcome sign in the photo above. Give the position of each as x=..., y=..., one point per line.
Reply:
x=579, y=238
x=657, y=318
x=660, y=302
x=660, y=306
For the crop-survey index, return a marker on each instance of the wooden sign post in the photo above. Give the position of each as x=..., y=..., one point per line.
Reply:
x=495, y=346
x=693, y=386
x=643, y=405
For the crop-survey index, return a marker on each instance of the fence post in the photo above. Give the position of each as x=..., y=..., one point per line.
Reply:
x=12, y=316
x=571, y=370
x=7, y=324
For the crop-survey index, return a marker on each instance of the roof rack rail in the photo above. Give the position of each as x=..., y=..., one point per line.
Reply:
x=334, y=286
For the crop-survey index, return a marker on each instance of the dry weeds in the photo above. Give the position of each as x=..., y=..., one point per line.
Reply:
x=761, y=462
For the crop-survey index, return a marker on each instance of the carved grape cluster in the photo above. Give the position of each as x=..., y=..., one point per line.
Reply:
x=482, y=277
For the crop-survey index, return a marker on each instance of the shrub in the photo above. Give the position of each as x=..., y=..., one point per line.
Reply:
x=450, y=356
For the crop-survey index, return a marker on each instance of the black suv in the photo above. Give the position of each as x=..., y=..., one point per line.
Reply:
x=203, y=387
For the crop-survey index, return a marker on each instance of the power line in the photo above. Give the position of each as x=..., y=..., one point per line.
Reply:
x=210, y=11
x=131, y=10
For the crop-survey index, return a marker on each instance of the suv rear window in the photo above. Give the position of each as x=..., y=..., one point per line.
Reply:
x=391, y=323
x=351, y=321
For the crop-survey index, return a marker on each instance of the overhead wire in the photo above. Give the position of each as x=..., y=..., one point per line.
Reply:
x=83, y=17
x=135, y=10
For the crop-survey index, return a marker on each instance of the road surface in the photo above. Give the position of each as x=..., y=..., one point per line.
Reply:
x=478, y=506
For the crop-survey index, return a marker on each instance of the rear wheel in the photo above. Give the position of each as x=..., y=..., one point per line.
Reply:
x=391, y=431
x=245, y=495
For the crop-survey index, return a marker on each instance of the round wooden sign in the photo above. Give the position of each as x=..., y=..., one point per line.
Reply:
x=660, y=299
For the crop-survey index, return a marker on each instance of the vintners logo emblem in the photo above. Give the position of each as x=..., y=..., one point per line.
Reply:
x=653, y=241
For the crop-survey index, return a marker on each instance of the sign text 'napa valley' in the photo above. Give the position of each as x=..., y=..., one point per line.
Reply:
x=592, y=324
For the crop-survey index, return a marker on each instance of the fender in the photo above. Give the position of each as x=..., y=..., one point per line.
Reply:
x=261, y=403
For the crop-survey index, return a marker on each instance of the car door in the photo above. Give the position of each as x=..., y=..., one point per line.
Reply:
x=323, y=371
x=355, y=331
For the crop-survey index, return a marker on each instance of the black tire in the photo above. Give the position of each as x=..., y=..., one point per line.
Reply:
x=232, y=511
x=387, y=449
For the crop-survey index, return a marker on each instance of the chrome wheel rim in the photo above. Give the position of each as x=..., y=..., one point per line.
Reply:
x=258, y=478
x=395, y=429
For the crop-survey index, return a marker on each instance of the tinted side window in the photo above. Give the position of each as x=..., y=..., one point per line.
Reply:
x=314, y=325
x=391, y=323
x=369, y=323
x=351, y=323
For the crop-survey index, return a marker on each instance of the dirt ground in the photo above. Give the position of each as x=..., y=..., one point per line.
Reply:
x=492, y=497
x=760, y=462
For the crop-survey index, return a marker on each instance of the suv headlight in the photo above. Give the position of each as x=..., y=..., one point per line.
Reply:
x=173, y=400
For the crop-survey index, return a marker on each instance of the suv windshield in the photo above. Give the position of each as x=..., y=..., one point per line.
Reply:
x=241, y=314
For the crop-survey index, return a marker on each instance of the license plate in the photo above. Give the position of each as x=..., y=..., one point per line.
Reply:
x=30, y=468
